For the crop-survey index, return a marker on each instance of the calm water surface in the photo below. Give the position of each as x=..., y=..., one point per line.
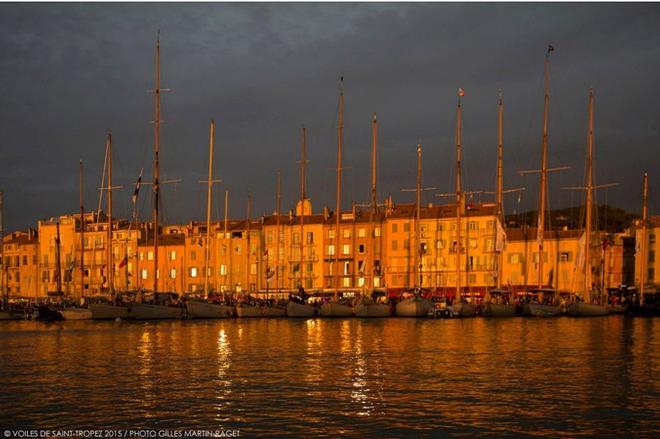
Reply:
x=373, y=378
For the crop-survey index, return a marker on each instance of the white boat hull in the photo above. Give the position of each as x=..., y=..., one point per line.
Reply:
x=499, y=310
x=581, y=309
x=205, y=310
x=274, y=311
x=372, y=310
x=105, y=311
x=294, y=309
x=148, y=311
x=248, y=311
x=413, y=307
x=541, y=310
x=11, y=315
x=76, y=314
x=332, y=309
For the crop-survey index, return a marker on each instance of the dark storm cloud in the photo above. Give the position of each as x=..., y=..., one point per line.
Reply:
x=70, y=72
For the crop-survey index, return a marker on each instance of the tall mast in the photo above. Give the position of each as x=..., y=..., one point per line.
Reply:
x=500, y=181
x=642, y=247
x=111, y=271
x=459, y=192
x=82, y=232
x=228, y=246
x=58, y=261
x=247, y=253
x=374, y=161
x=303, y=195
x=340, y=141
x=278, y=202
x=589, y=188
x=156, y=171
x=543, y=185
x=418, y=201
x=374, y=198
x=209, y=190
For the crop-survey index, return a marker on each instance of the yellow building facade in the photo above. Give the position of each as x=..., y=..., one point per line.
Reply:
x=19, y=265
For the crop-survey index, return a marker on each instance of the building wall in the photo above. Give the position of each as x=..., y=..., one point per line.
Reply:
x=19, y=269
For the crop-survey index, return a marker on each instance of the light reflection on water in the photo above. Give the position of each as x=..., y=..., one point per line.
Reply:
x=389, y=377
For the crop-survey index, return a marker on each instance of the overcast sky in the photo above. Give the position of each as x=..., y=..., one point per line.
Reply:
x=69, y=72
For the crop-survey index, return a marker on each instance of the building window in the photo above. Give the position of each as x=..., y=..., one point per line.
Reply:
x=346, y=233
x=395, y=245
x=310, y=237
x=406, y=243
x=150, y=255
x=377, y=231
x=473, y=243
x=345, y=281
x=361, y=248
x=173, y=255
x=422, y=247
x=144, y=273
x=347, y=267
x=269, y=237
x=652, y=239
x=651, y=255
x=395, y=228
x=308, y=266
x=346, y=249
x=651, y=276
x=295, y=238
x=253, y=269
x=172, y=273
x=223, y=270
x=406, y=227
x=490, y=225
x=565, y=257
x=141, y=256
x=362, y=233
x=515, y=258
x=193, y=271
x=331, y=250
x=193, y=255
x=490, y=245
x=331, y=234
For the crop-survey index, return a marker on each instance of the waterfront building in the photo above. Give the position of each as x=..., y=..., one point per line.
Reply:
x=650, y=264
x=19, y=269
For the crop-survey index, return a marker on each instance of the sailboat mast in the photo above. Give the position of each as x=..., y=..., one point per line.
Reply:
x=109, y=200
x=459, y=192
x=209, y=190
x=303, y=195
x=82, y=233
x=374, y=197
x=58, y=261
x=589, y=188
x=156, y=170
x=228, y=247
x=278, y=202
x=248, y=213
x=642, y=247
x=340, y=141
x=500, y=181
x=544, y=167
x=418, y=204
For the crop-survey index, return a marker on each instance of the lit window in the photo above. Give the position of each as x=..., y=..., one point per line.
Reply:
x=173, y=273
x=144, y=273
x=362, y=233
x=150, y=256
x=223, y=270
x=331, y=234
x=331, y=250
x=193, y=271
x=173, y=255
x=346, y=233
x=346, y=249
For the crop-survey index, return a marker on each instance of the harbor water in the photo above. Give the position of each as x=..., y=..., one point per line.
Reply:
x=557, y=377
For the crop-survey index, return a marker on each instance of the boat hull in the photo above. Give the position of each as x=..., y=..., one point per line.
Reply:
x=581, y=309
x=618, y=309
x=464, y=309
x=413, y=307
x=372, y=310
x=12, y=315
x=499, y=310
x=105, y=311
x=332, y=309
x=148, y=311
x=294, y=309
x=246, y=311
x=76, y=314
x=205, y=310
x=541, y=310
x=47, y=313
x=274, y=311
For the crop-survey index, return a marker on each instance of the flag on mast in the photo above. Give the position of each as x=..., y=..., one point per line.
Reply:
x=137, y=187
x=500, y=237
